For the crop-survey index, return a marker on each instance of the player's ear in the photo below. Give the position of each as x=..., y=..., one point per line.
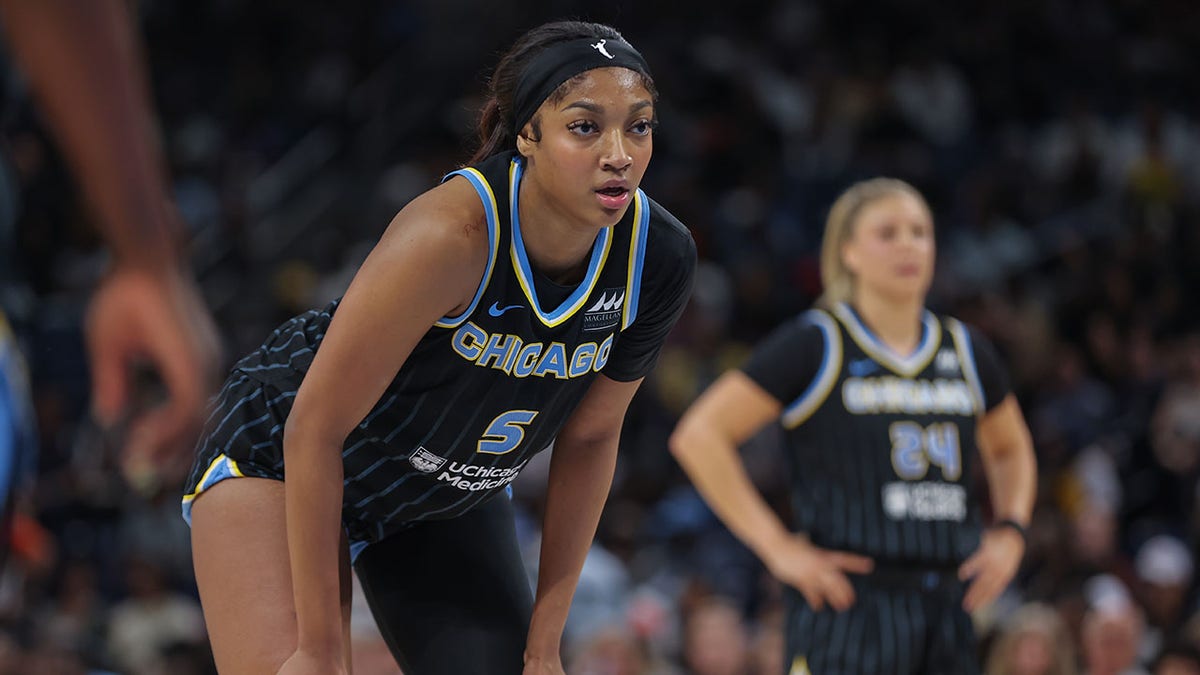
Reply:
x=524, y=144
x=850, y=258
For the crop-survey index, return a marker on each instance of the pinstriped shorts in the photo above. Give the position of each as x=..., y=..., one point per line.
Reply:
x=243, y=436
x=891, y=629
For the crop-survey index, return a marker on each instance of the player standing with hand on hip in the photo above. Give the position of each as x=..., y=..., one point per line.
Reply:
x=882, y=402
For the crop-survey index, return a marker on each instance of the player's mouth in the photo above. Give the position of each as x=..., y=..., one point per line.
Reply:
x=613, y=195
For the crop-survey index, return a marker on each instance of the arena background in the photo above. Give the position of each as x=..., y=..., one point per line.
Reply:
x=1058, y=142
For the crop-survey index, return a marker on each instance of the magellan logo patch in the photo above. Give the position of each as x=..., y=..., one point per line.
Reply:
x=606, y=311
x=426, y=461
x=947, y=362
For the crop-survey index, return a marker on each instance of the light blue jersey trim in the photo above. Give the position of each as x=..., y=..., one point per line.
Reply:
x=489, y=207
x=524, y=272
x=905, y=366
x=966, y=355
x=356, y=548
x=218, y=470
x=637, y=256
x=818, y=390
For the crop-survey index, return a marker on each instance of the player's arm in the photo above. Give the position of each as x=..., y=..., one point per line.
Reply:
x=581, y=471
x=705, y=443
x=427, y=265
x=85, y=68
x=585, y=451
x=1006, y=449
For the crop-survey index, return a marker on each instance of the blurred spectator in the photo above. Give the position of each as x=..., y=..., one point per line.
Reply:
x=77, y=617
x=1175, y=428
x=11, y=657
x=715, y=640
x=601, y=597
x=189, y=658
x=1072, y=405
x=767, y=646
x=53, y=659
x=1112, y=633
x=1094, y=539
x=151, y=620
x=1180, y=659
x=1164, y=568
x=1058, y=142
x=614, y=651
x=1033, y=641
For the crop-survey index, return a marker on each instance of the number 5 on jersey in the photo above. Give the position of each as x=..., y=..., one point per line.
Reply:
x=505, y=432
x=914, y=448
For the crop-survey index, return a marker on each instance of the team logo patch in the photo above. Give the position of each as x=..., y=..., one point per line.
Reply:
x=605, y=312
x=425, y=461
x=947, y=362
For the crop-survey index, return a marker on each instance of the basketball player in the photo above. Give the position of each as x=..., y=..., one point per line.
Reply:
x=882, y=403
x=518, y=304
x=82, y=62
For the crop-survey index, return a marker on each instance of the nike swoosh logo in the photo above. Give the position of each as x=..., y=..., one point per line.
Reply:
x=497, y=310
x=861, y=367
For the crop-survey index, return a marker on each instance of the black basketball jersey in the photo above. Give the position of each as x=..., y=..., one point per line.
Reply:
x=484, y=391
x=880, y=446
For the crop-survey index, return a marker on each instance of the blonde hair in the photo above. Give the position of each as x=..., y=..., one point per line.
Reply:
x=1038, y=619
x=837, y=280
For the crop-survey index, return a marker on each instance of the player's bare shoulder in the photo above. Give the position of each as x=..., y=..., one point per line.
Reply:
x=459, y=205
x=449, y=218
x=444, y=231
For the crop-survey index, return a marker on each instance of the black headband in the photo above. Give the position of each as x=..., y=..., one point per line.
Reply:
x=563, y=60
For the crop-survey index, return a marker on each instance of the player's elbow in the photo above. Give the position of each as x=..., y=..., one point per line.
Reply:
x=575, y=441
x=303, y=433
x=1012, y=442
x=687, y=438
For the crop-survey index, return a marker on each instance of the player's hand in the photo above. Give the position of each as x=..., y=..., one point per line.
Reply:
x=819, y=574
x=302, y=662
x=157, y=317
x=543, y=665
x=991, y=567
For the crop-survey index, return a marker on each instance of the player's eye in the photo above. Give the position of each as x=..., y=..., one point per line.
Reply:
x=583, y=127
x=644, y=127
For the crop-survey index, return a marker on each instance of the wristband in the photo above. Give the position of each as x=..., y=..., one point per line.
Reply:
x=1009, y=522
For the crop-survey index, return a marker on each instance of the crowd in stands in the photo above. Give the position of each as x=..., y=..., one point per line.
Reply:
x=1058, y=143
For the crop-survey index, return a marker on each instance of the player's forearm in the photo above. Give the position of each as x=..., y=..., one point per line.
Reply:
x=580, y=477
x=313, y=495
x=716, y=469
x=84, y=66
x=1012, y=481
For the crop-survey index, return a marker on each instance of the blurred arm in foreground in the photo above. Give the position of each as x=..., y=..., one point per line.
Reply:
x=84, y=64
